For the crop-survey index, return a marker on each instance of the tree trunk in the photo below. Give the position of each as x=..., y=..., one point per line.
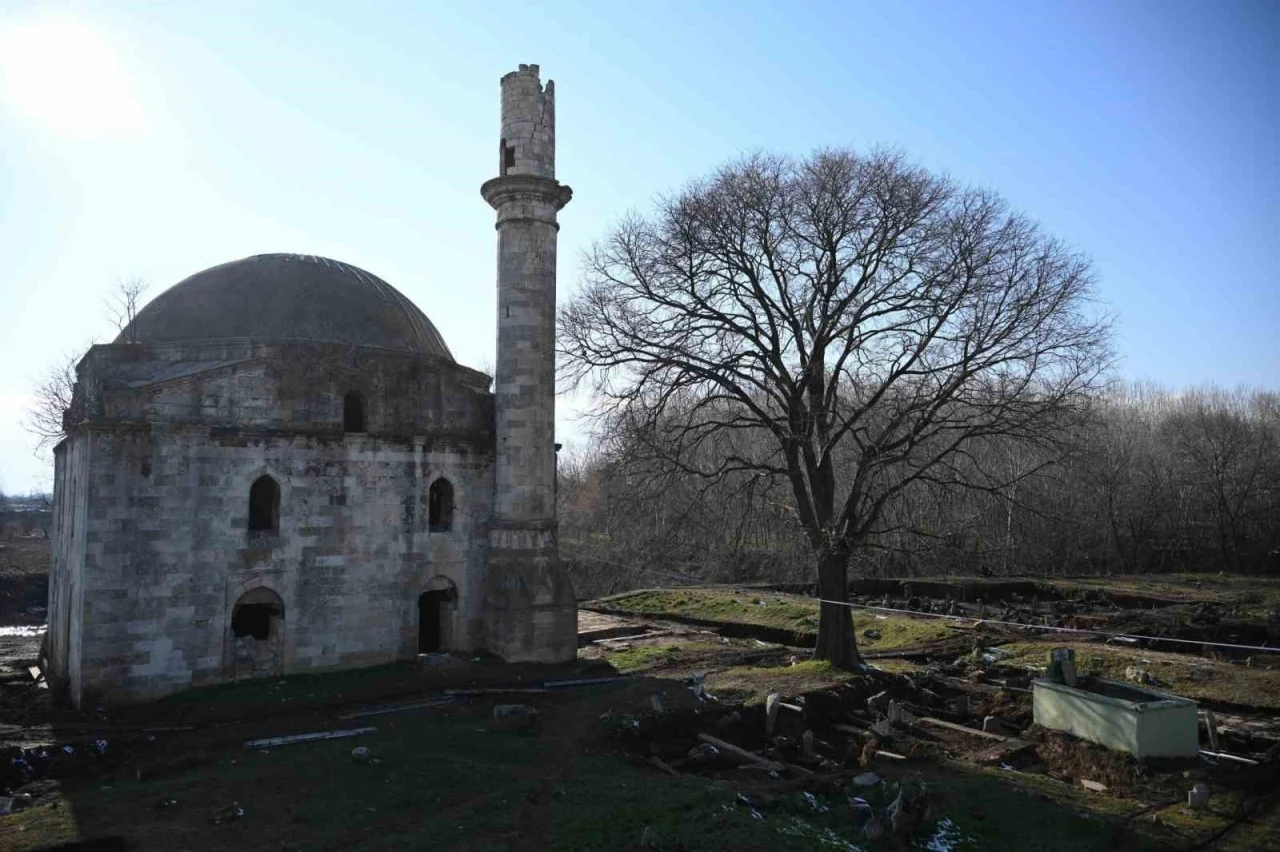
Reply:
x=837, y=642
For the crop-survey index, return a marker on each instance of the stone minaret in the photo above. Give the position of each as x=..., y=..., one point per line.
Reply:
x=531, y=612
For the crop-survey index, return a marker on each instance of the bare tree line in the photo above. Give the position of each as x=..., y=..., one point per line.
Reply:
x=1155, y=481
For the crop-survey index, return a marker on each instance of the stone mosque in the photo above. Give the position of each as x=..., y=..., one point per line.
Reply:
x=278, y=467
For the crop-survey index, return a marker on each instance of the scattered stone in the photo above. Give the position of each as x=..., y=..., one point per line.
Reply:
x=907, y=811
x=878, y=704
x=1198, y=796
x=873, y=830
x=996, y=725
x=656, y=702
x=703, y=753
x=227, y=813
x=1002, y=752
x=727, y=721
x=360, y=754
x=806, y=746
x=1093, y=786
x=866, y=779
x=514, y=717
x=871, y=633
x=1138, y=675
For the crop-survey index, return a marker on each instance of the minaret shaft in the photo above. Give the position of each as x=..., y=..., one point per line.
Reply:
x=532, y=614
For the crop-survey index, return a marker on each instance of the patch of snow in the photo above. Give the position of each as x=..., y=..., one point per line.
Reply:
x=25, y=630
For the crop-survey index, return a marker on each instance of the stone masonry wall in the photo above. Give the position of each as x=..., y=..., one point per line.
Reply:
x=169, y=552
x=167, y=466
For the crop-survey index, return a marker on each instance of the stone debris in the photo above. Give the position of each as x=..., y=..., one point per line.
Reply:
x=227, y=813
x=908, y=809
x=878, y=704
x=866, y=779
x=1093, y=786
x=1138, y=675
x=514, y=717
x=996, y=725
x=871, y=633
x=360, y=754
x=727, y=721
x=873, y=830
x=771, y=712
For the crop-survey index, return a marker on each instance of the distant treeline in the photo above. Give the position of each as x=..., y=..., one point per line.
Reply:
x=1154, y=481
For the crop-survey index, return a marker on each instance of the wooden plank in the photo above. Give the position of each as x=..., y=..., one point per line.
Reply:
x=952, y=726
x=664, y=766
x=585, y=681
x=268, y=742
x=1001, y=752
x=1211, y=723
x=741, y=752
x=498, y=690
x=1224, y=756
x=396, y=708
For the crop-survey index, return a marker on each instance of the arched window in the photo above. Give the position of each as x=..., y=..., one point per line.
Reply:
x=264, y=506
x=353, y=412
x=440, y=506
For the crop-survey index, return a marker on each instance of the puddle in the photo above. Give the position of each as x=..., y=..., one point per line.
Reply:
x=28, y=631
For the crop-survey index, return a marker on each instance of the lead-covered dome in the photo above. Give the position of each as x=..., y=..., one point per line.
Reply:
x=279, y=297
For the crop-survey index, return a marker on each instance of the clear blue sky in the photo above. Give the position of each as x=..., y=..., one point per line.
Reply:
x=156, y=139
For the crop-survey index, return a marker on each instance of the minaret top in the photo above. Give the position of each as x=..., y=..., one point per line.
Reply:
x=528, y=125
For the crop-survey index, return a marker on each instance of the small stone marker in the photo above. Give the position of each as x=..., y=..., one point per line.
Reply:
x=1198, y=796
x=878, y=704
x=996, y=725
x=806, y=745
x=771, y=712
x=1057, y=657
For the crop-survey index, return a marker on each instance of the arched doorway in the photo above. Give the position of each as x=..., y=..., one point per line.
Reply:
x=257, y=634
x=434, y=608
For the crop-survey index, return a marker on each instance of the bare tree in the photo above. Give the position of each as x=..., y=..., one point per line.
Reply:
x=51, y=399
x=848, y=324
x=53, y=392
x=123, y=304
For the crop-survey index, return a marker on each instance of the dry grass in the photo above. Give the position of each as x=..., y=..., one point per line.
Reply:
x=1194, y=677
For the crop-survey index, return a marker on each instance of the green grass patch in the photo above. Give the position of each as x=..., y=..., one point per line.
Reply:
x=640, y=657
x=771, y=610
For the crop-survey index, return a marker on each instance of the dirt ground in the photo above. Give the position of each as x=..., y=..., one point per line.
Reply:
x=24, y=581
x=626, y=764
